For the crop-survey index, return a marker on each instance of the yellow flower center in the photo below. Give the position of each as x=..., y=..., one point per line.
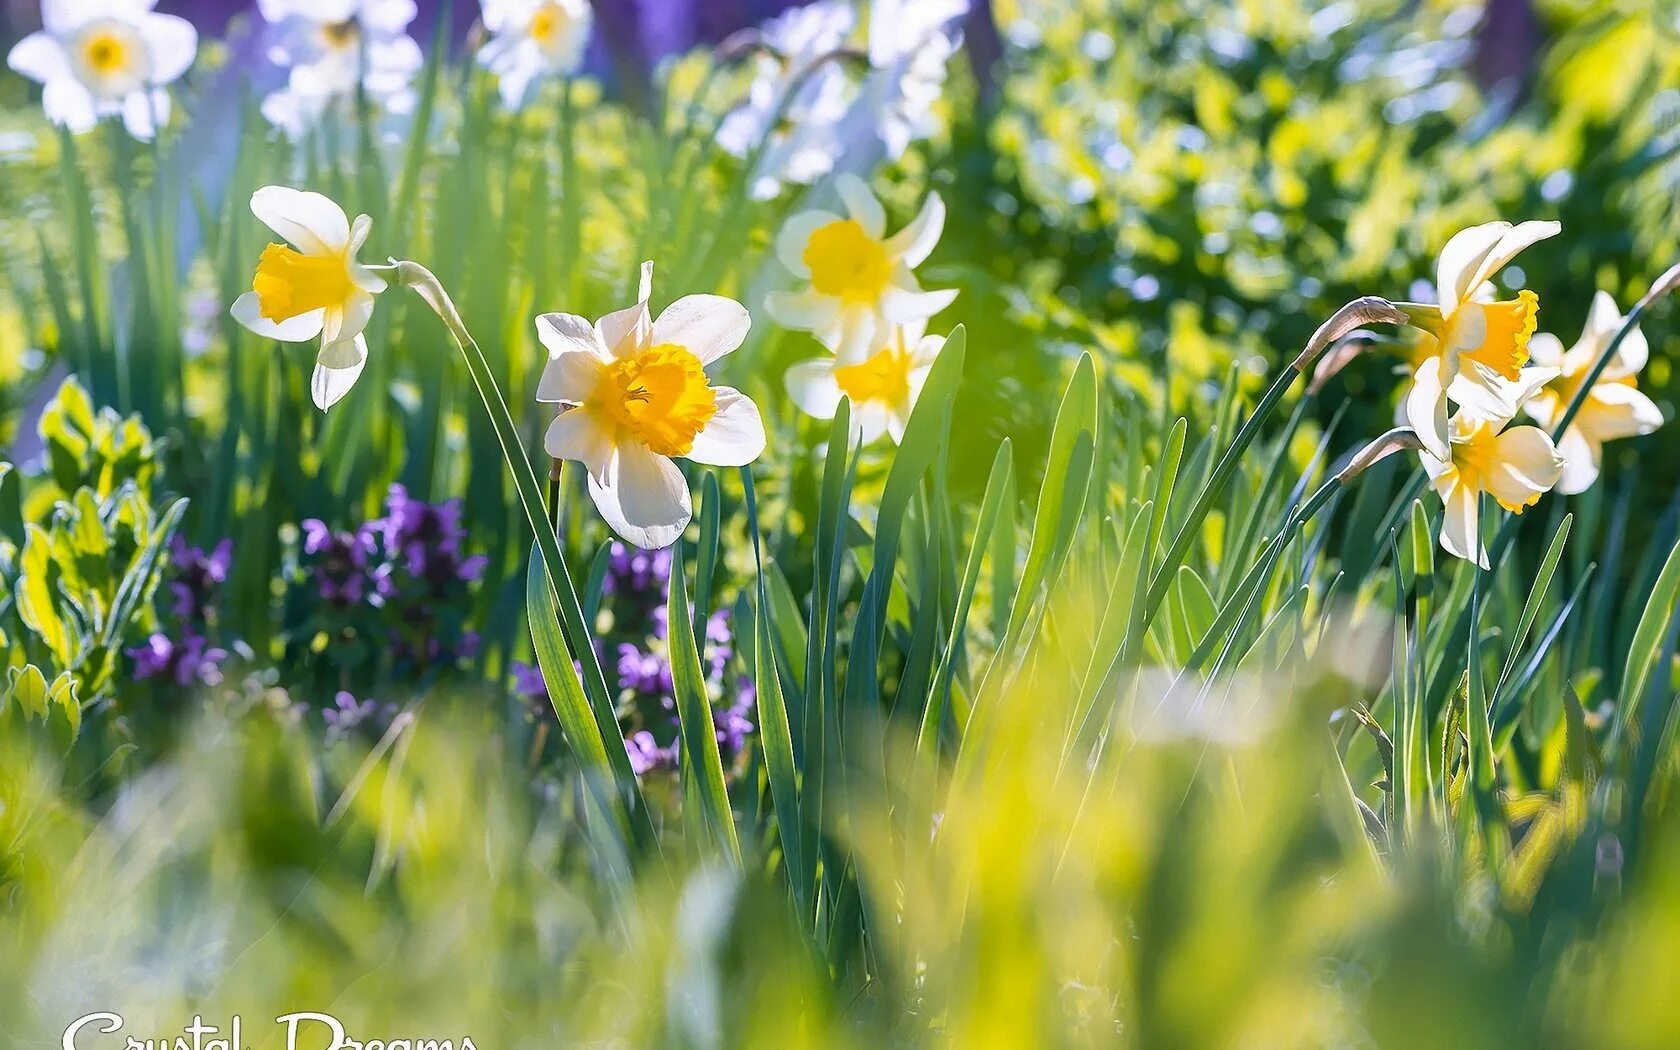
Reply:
x=660, y=395
x=106, y=53
x=847, y=263
x=884, y=377
x=1509, y=326
x=289, y=283
x=340, y=35
x=1476, y=457
x=545, y=24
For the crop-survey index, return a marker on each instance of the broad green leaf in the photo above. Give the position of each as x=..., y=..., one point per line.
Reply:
x=700, y=756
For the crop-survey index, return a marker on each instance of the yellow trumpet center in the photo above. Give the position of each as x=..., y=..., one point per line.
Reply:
x=340, y=35
x=545, y=24
x=848, y=263
x=884, y=377
x=106, y=53
x=1510, y=325
x=289, y=283
x=660, y=396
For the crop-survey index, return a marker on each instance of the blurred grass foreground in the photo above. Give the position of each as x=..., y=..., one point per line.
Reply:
x=1143, y=523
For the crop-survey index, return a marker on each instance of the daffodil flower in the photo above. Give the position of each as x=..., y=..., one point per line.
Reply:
x=1613, y=408
x=798, y=131
x=1515, y=465
x=862, y=281
x=882, y=390
x=634, y=394
x=1478, y=341
x=332, y=48
x=531, y=41
x=313, y=286
x=109, y=59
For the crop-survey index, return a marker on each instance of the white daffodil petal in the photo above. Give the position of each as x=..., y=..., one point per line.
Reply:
x=576, y=434
x=347, y=351
x=862, y=205
x=1426, y=409
x=856, y=341
x=568, y=333
x=1460, y=260
x=1546, y=349
x=708, y=326
x=900, y=305
x=143, y=112
x=310, y=221
x=1580, y=462
x=1512, y=244
x=40, y=57
x=569, y=377
x=795, y=237
x=247, y=310
x=871, y=420
x=734, y=436
x=644, y=498
x=69, y=104
x=811, y=386
x=807, y=311
x=1527, y=466
x=1617, y=410
x=625, y=332
x=913, y=244
x=1603, y=322
x=173, y=43
x=329, y=385
x=1460, y=535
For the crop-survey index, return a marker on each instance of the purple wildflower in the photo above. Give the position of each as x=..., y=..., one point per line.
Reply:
x=348, y=714
x=197, y=577
x=188, y=662
x=646, y=755
x=644, y=672
x=342, y=571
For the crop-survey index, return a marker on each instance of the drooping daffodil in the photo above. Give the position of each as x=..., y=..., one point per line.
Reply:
x=313, y=286
x=634, y=395
x=532, y=41
x=112, y=59
x=1613, y=408
x=1515, y=465
x=882, y=390
x=862, y=282
x=1479, y=342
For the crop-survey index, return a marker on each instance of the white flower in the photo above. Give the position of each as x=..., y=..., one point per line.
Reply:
x=634, y=394
x=862, y=282
x=1515, y=465
x=1478, y=341
x=883, y=390
x=1613, y=408
x=531, y=41
x=107, y=59
x=802, y=145
x=910, y=44
x=332, y=46
x=314, y=287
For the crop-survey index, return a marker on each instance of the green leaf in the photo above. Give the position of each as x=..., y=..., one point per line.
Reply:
x=1647, y=640
x=28, y=687
x=701, y=762
x=601, y=768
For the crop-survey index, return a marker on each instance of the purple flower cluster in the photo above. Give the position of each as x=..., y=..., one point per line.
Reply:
x=188, y=662
x=399, y=582
x=343, y=568
x=187, y=658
